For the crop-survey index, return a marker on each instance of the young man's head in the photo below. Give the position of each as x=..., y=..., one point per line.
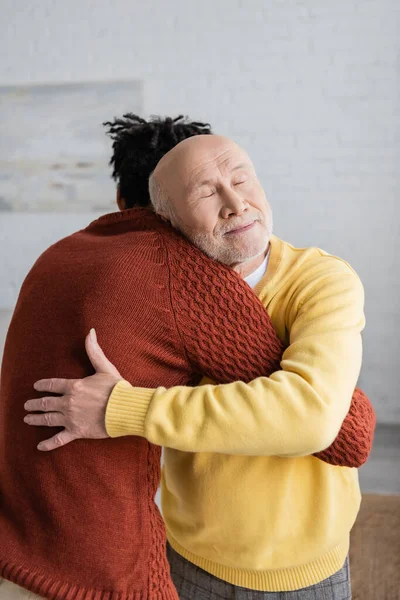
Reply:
x=138, y=146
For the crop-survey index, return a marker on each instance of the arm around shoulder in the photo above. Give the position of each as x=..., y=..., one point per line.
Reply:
x=296, y=411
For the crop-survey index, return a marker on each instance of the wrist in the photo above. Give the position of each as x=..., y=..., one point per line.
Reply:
x=127, y=410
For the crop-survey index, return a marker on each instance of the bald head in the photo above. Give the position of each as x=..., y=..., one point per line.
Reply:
x=182, y=164
x=191, y=153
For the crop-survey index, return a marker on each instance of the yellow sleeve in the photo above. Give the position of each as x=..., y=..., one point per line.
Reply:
x=296, y=411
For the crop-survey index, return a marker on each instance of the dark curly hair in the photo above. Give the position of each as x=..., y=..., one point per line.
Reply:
x=138, y=145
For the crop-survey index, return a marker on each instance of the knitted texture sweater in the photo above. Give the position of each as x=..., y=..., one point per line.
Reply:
x=237, y=462
x=125, y=275
x=244, y=359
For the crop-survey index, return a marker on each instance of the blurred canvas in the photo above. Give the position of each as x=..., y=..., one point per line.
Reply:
x=53, y=149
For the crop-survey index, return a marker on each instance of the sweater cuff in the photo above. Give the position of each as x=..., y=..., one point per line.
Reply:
x=127, y=410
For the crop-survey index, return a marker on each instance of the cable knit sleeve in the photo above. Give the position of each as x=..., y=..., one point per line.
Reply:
x=241, y=347
x=227, y=333
x=296, y=411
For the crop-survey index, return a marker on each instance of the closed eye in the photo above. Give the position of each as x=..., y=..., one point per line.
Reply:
x=240, y=182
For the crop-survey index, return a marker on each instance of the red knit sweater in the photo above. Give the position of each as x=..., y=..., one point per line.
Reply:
x=81, y=522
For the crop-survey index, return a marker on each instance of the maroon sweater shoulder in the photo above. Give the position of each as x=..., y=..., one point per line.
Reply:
x=82, y=520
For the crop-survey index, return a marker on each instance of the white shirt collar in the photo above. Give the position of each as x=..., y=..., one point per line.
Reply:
x=258, y=274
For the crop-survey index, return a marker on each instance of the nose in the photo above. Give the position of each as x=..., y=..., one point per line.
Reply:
x=232, y=204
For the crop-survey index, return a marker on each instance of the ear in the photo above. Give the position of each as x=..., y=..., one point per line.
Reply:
x=120, y=201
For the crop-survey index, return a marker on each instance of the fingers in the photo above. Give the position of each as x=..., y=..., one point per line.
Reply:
x=47, y=404
x=57, y=441
x=48, y=419
x=55, y=386
x=97, y=357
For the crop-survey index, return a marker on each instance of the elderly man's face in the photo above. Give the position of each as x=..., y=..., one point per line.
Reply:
x=216, y=199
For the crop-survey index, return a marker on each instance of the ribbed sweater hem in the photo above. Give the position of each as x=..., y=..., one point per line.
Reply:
x=57, y=589
x=272, y=580
x=127, y=409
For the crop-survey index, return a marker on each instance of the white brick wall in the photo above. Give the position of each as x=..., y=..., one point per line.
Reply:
x=308, y=87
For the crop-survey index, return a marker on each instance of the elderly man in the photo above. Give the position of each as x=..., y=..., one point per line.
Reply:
x=246, y=506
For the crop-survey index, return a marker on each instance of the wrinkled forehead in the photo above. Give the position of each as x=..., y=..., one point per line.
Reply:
x=189, y=162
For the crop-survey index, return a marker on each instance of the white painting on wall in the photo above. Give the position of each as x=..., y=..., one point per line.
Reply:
x=54, y=151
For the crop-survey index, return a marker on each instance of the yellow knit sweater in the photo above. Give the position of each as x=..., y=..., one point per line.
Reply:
x=242, y=498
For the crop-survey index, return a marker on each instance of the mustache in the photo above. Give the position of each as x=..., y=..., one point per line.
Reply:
x=238, y=224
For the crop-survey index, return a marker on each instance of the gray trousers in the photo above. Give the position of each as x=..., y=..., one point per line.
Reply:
x=192, y=583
